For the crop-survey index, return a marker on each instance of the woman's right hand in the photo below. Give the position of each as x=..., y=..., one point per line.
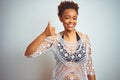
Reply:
x=34, y=44
x=50, y=30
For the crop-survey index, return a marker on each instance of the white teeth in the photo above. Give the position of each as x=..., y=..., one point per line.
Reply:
x=70, y=25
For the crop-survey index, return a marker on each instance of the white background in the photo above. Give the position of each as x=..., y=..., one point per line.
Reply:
x=21, y=21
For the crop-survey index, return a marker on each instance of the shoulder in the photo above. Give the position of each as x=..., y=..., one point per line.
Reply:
x=54, y=37
x=83, y=36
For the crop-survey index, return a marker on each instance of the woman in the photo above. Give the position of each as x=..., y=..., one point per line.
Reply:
x=71, y=48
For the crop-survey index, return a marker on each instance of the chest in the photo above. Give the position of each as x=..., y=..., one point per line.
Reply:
x=71, y=52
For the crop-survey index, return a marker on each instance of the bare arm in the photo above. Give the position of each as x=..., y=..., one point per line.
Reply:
x=35, y=43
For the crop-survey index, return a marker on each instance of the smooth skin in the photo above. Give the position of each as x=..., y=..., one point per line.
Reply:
x=69, y=20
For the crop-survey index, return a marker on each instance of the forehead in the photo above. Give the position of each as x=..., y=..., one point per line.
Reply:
x=70, y=12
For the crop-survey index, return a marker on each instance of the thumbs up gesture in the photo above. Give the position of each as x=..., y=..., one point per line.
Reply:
x=50, y=30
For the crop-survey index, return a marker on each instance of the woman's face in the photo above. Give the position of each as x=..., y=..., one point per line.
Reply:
x=69, y=19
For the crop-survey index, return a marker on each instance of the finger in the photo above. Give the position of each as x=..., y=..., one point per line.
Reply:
x=48, y=24
x=53, y=31
x=52, y=27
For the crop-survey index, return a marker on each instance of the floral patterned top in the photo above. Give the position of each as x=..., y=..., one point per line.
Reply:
x=73, y=59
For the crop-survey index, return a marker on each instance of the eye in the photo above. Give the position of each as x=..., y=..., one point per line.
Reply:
x=66, y=17
x=74, y=18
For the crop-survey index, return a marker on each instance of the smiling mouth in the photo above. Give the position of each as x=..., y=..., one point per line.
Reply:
x=70, y=25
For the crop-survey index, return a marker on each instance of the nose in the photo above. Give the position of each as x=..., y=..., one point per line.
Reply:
x=71, y=20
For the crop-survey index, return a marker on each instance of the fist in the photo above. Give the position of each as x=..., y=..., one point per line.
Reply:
x=50, y=30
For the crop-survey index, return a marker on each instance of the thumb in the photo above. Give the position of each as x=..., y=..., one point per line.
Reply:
x=48, y=24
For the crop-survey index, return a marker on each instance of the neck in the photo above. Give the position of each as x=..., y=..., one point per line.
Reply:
x=70, y=35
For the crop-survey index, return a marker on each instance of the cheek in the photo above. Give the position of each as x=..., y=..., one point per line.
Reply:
x=66, y=21
x=75, y=22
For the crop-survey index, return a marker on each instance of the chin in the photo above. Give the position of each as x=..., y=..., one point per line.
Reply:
x=70, y=29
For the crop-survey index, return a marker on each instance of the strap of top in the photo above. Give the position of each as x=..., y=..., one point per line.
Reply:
x=77, y=36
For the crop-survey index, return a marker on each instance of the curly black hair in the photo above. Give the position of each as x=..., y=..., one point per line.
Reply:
x=67, y=5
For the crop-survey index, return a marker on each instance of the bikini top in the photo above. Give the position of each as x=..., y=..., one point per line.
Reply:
x=78, y=56
x=77, y=36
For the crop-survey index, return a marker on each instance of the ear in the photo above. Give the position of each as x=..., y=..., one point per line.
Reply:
x=60, y=18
